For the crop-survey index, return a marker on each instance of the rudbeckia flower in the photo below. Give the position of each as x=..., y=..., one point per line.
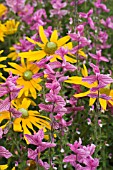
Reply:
x=3, y=10
x=25, y=80
x=11, y=27
x=106, y=90
x=48, y=47
x=29, y=119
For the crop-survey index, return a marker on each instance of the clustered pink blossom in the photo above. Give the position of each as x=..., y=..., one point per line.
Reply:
x=57, y=8
x=36, y=140
x=82, y=158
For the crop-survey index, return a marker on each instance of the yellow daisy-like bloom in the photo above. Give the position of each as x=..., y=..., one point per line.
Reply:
x=3, y=10
x=13, y=55
x=48, y=47
x=106, y=90
x=29, y=119
x=25, y=80
x=11, y=27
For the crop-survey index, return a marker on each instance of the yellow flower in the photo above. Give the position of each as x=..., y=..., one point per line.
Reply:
x=25, y=72
x=48, y=47
x=11, y=27
x=29, y=119
x=3, y=10
x=106, y=90
x=13, y=54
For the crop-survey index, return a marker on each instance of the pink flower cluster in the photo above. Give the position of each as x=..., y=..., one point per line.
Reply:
x=82, y=158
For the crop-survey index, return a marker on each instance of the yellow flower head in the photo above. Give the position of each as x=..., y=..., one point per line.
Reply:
x=11, y=27
x=3, y=10
x=106, y=90
x=25, y=80
x=29, y=119
x=48, y=47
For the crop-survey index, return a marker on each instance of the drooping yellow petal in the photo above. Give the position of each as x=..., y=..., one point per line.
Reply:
x=33, y=55
x=33, y=92
x=13, y=71
x=25, y=103
x=63, y=40
x=3, y=167
x=81, y=53
x=69, y=46
x=34, y=42
x=35, y=85
x=82, y=94
x=36, y=55
x=3, y=58
x=70, y=59
x=84, y=71
x=92, y=101
x=54, y=36
x=16, y=125
x=103, y=103
x=16, y=66
x=42, y=35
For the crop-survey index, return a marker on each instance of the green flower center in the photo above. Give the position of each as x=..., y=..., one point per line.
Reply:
x=50, y=48
x=27, y=75
x=24, y=112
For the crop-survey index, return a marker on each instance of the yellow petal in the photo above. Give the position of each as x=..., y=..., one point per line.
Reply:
x=70, y=59
x=84, y=71
x=34, y=42
x=54, y=36
x=17, y=67
x=42, y=35
x=13, y=71
x=36, y=55
x=103, y=103
x=92, y=101
x=25, y=103
x=3, y=167
x=82, y=94
x=69, y=46
x=63, y=40
x=3, y=58
x=16, y=125
x=33, y=55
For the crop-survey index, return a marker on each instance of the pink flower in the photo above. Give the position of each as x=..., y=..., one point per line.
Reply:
x=36, y=139
x=15, y=5
x=102, y=6
x=4, y=152
x=108, y=23
x=98, y=56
